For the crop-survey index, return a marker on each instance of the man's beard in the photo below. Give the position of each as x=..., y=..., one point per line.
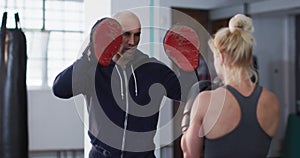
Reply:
x=126, y=57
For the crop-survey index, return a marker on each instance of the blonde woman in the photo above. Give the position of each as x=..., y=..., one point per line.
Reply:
x=240, y=118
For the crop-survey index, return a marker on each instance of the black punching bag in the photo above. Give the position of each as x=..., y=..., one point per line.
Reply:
x=2, y=77
x=14, y=134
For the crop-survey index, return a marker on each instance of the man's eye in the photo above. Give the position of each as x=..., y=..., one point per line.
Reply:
x=137, y=34
x=126, y=34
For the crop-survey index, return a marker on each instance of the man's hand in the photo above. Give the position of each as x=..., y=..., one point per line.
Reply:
x=181, y=44
x=105, y=40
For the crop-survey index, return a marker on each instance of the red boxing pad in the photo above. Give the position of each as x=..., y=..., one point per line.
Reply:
x=106, y=40
x=181, y=43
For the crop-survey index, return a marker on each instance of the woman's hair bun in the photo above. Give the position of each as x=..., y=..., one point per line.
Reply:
x=240, y=22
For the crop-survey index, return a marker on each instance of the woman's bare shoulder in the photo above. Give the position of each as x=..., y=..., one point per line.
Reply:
x=268, y=112
x=269, y=98
x=208, y=98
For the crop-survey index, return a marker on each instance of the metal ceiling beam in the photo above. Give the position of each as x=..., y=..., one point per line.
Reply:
x=258, y=7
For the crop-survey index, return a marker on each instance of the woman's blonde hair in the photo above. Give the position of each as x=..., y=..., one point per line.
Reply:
x=237, y=41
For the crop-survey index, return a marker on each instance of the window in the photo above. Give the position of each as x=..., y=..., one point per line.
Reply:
x=54, y=34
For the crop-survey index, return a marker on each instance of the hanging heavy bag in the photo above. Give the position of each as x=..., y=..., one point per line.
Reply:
x=14, y=133
x=2, y=75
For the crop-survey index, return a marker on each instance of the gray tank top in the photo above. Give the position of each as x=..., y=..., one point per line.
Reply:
x=247, y=140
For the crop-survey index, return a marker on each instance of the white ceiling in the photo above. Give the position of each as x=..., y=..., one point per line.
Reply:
x=206, y=4
x=223, y=3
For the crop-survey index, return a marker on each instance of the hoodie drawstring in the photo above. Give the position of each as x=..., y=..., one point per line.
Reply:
x=121, y=82
x=135, y=82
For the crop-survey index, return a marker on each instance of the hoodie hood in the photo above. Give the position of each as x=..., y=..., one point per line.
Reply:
x=136, y=59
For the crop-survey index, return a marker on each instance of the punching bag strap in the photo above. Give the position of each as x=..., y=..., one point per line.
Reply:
x=17, y=20
x=4, y=18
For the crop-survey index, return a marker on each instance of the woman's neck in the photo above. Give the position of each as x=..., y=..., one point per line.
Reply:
x=241, y=83
x=244, y=86
x=238, y=80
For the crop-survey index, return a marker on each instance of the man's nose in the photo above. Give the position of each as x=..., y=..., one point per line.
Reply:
x=131, y=40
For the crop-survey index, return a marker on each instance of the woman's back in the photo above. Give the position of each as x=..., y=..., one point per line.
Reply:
x=240, y=122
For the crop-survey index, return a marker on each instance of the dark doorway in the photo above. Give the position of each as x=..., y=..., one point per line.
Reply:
x=202, y=17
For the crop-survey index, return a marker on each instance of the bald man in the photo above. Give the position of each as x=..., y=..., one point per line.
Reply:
x=123, y=98
x=131, y=36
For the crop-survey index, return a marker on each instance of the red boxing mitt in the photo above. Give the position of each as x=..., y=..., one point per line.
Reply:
x=105, y=40
x=181, y=44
